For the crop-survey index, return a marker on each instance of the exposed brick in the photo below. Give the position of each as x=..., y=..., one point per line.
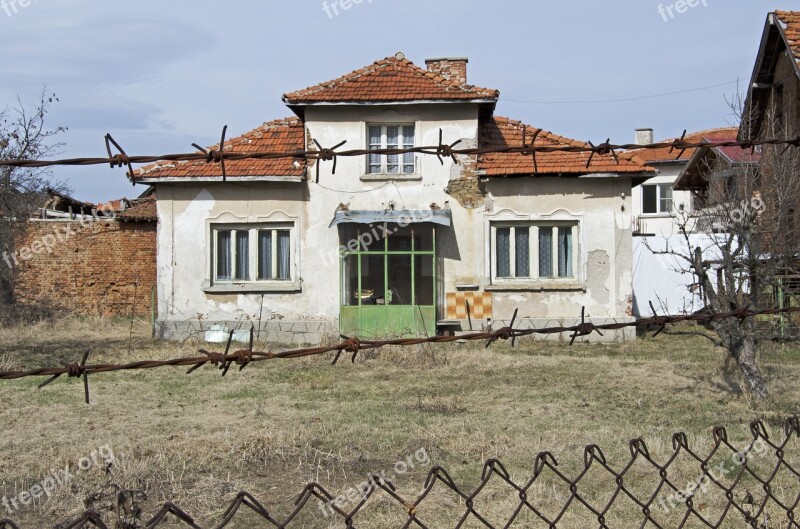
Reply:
x=104, y=268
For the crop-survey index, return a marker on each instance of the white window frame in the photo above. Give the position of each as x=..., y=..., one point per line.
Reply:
x=384, y=170
x=533, y=250
x=253, y=268
x=659, y=198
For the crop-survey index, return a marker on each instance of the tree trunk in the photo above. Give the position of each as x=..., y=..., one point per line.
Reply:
x=746, y=358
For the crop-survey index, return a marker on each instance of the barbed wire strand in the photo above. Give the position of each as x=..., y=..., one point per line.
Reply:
x=441, y=151
x=354, y=345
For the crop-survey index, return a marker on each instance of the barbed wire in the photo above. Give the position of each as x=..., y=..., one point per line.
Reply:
x=441, y=151
x=692, y=503
x=354, y=345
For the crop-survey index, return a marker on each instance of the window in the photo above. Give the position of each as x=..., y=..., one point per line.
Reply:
x=531, y=252
x=391, y=137
x=253, y=253
x=657, y=198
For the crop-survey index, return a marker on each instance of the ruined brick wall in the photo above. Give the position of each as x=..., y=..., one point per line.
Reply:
x=100, y=268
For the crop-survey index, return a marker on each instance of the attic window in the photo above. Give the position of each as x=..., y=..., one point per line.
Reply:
x=396, y=136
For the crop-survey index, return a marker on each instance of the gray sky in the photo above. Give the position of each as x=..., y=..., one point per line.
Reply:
x=160, y=75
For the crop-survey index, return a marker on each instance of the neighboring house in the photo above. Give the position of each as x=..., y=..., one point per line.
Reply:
x=661, y=210
x=773, y=98
x=659, y=207
x=712, y=175
x=393, y=245
x=90, y=259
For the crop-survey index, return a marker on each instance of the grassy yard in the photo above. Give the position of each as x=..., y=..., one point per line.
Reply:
x=198, y=440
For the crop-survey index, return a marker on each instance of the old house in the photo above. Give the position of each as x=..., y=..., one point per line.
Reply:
x=393, y=244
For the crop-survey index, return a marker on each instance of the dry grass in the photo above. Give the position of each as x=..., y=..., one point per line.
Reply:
x=200, y=439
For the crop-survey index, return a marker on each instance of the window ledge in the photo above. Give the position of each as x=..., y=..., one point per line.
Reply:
x=657, y=215
x=252, y=288
x=391, y=177
x=537, y=286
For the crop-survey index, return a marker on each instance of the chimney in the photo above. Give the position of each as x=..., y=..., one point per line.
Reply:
x=644, y=136
x=451, y=68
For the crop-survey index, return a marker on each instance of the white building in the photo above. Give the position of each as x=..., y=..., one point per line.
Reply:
x=393, y=244
x=662, y=209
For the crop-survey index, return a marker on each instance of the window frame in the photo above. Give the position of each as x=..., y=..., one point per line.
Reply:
x=384, y=165
x=253, y=230
x=533, y=277
x=659, y=198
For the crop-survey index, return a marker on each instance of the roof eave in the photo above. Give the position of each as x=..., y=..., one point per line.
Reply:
x=216, y=179
x=474, y=101
x=772, y=24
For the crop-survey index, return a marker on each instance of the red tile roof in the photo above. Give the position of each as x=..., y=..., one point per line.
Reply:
x=141, y=210
x=791, y=29
x=283, y=135
x=504, y=132
x=389, y=80
x=670, y=155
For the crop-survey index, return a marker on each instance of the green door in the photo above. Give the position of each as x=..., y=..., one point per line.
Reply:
x=388, y=279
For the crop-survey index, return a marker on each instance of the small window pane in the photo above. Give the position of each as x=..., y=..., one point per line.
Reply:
x=265, y=254
x=665, y=200
x=242, y=255
x=545, y=252
x=393, y=136
x=284, y=255
x=375, y=136
x=523, y=252
x=504, y=252
x=423, y=237
x=224, y=267
x=408, y=135
x=565, y=252
x=650, y=199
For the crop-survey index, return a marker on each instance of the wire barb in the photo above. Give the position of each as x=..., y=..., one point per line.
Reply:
x=119, y=160
x=214, y=155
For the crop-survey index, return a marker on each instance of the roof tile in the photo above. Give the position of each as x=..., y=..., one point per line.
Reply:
x=504, y=132
x=389, y=80
x=282, y=135
x=791, y=28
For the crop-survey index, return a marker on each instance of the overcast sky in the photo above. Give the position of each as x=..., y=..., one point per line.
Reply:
x=161, y=75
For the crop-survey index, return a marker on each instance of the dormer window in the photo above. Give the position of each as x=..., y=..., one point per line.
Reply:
x=391, y=136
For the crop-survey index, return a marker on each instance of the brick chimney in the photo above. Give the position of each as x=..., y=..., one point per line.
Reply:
x=451, y=68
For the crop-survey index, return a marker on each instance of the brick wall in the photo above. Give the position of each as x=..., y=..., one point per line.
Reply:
x=97, y=268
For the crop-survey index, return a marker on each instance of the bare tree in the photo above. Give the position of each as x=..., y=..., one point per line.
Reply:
x=24, y=135
x=748, y=210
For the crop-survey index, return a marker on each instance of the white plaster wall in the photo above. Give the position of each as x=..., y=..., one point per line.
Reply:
x=185, y=212
x=603, y=207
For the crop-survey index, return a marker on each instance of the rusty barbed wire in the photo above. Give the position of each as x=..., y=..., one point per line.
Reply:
x=354, y=345
x=441, y=151
x=669, y=504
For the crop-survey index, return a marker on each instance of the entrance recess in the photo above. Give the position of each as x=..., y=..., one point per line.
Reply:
x=388, y=279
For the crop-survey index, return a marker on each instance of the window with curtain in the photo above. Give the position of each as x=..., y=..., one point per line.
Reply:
x=253, y=253
x=391, y=137
x=528, y=252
